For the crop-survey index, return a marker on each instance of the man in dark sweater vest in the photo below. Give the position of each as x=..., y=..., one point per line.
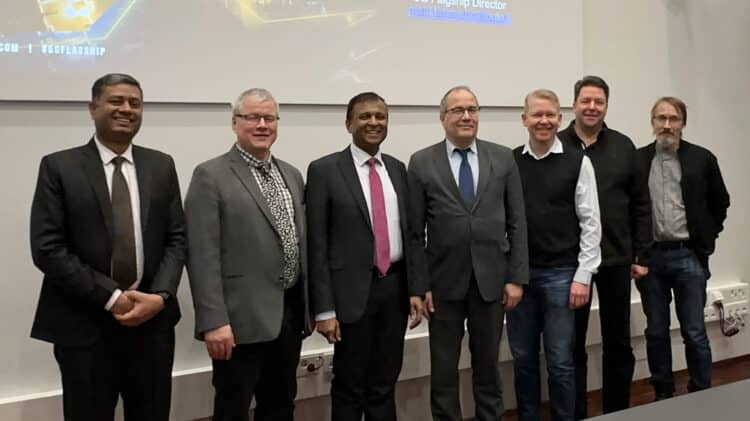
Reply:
x=626, y=233
x=562, y=212
x=690, y=204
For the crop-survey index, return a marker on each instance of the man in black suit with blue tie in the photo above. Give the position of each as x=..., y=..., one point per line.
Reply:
x=107, y=231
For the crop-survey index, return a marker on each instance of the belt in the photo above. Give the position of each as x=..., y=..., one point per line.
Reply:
x=393, y=268
x=671, y=245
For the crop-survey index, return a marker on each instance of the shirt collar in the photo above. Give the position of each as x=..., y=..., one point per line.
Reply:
x=255, y=162
x=107, y=154
x=361, y=157
x=557, y=147
x=602, y=132
x=451, y=147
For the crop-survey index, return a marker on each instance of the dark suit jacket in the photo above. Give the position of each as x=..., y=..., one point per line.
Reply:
x=236, y=255
x=341, y=240
x=71, y=242
x=488, y=240
x=703, y=192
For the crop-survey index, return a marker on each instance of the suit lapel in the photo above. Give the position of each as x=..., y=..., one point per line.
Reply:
x=143, y=174
x=351, y=179
x=242, y=171
x=94, y=169
x=485, y=169
x=440, y=157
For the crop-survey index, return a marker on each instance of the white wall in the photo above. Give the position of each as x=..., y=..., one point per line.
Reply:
x=694, y=49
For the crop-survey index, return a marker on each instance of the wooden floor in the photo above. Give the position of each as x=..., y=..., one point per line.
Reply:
x=641, y=392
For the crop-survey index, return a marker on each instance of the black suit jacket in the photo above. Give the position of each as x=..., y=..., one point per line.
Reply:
x=71, y=242
x=704, y=193
x=341, y=244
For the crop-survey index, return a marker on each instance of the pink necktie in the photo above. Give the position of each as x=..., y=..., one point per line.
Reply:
x=379, y=221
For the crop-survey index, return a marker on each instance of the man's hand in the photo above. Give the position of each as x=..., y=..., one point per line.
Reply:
x=145, y=306
x=417, y=311
x=329, y=328
x=220, y=342
x=428, y=306
x=512, y=295
x=579, y=295
x=122, y=305
x=637, y=271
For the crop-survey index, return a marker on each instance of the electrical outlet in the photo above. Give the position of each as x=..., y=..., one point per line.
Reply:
x=734, y=298
x=736, y=292
x=310, y=365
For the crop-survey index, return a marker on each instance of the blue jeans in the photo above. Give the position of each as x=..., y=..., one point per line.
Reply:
x=544, y=311
x=677, y=271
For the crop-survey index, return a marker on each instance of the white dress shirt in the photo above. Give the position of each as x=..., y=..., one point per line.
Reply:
x=361, y=159
x=128, y=171
x=587, y=210
x=454, y=158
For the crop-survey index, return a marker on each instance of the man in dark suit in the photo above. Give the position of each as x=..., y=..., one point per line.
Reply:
x=468, y=196
x=690, y=202
x=360, y=259
x=107, y=230
x=246, y=231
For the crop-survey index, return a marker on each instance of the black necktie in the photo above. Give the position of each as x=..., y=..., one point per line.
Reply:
x=124, y=270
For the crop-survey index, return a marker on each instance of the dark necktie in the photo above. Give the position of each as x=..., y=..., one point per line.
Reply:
x=379, y=221
x=465, y=178
x=124, y=270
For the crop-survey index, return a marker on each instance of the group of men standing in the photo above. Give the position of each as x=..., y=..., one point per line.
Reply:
x=470, y=231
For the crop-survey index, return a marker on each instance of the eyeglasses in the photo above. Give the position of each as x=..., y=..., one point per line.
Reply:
x=460, y=111
x=255, y=118
x=672, y=119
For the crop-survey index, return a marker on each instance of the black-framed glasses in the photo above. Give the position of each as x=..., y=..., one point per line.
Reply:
x=460, y=111
x=255, y=118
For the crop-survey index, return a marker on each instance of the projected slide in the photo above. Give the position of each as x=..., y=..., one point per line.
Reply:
x=305, y=51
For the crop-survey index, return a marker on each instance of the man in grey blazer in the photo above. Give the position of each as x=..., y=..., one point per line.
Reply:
x=468, y=201
x=246, y=244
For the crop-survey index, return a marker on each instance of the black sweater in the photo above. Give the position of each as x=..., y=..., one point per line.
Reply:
x=624, y=201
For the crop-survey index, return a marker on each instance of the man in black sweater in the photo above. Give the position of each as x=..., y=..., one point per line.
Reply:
x=562, y=213
x=626, y=233
x=690, y=204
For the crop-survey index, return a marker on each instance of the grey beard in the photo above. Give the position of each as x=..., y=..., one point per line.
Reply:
x=667, y=142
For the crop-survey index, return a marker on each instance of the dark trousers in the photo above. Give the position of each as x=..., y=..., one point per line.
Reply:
x=618, y=362
x=127, y=362
x=679, y=271
x=545, y=312
x=485, y=326
x=266, y=370
x=367, y=360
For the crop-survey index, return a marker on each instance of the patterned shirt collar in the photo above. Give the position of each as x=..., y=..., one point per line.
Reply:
x=253, y=161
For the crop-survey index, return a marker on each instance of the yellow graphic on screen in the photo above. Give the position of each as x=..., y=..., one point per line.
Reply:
x=258, y=12
x=72, y=15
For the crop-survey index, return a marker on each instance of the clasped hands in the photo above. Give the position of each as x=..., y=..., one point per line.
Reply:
x=133, y=308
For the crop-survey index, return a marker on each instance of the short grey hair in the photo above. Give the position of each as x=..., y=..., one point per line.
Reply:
x=258, y=94
x=444, y=100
